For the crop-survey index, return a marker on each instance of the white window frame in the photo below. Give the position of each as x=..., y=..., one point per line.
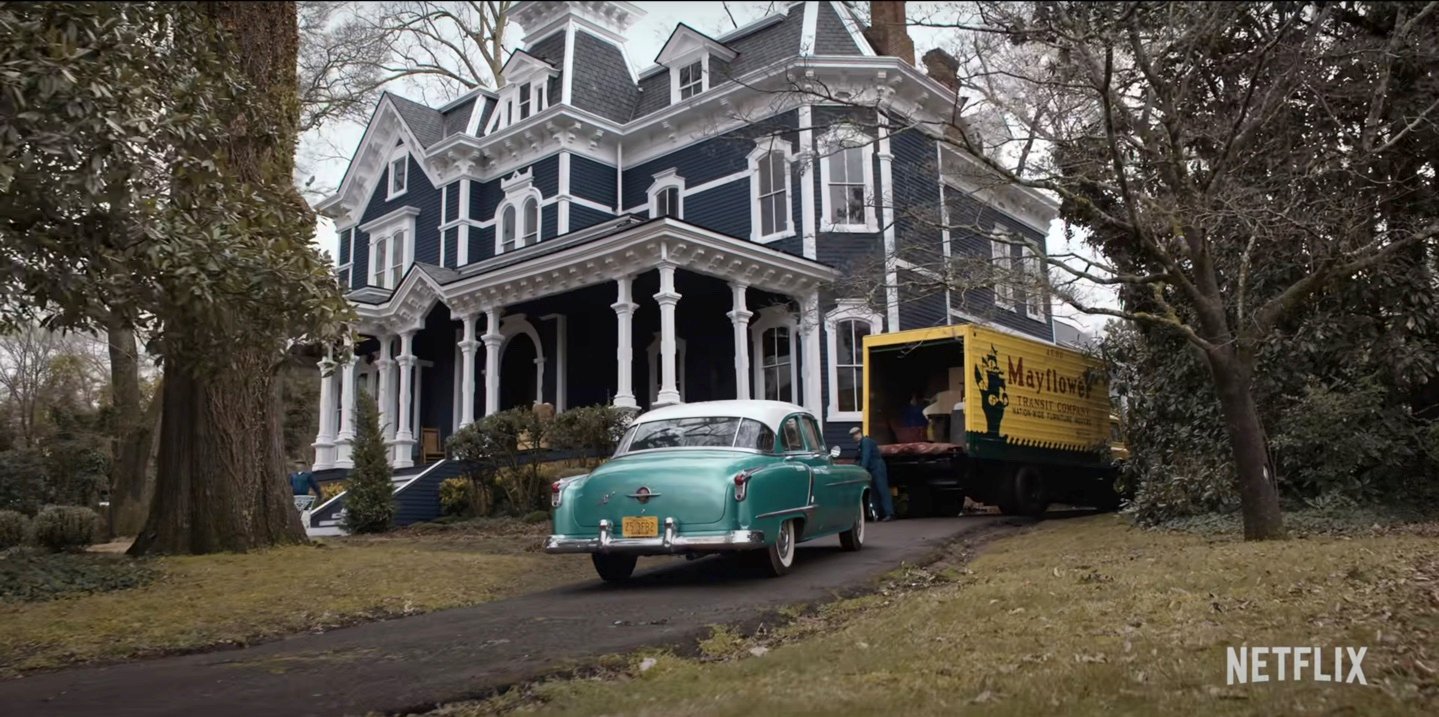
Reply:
x=700, y=57
x=763, y=147
x=519, y=188
x=507, y=105
x=399, y=222
x=1001, y=256
x=772, y=317
x=663, y=181
x=846, y=310
x=654, y=359
x=1035, y=292
x=832, y=144
x=347, y=235
x=401, y=157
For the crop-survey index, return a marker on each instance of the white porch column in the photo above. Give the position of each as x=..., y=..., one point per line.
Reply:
x=809, y=326
x=347, y=413
x=740, y=316
x=467, y=367
x=404, y=435
x=325, y=440
x=562, y=360
x=539, y=381
x=667, y=297
x=386, y=398
x=493, y=340
x=624, y=307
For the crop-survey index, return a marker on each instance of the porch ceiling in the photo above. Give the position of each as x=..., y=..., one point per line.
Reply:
x=565, y=266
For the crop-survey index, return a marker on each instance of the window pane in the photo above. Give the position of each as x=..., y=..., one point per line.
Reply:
x=848, y=389
x=854, y=164
x=777, y=167
x=811, y=434
x=524, y=101
x=792, y=440
x=532, y=220
x=856, y=205
x=756, y=435
x=684, y=432
x=766, y=183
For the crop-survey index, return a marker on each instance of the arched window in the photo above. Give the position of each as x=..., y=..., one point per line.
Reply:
x=666, y=195
x=773, y=348
x=532, y=221
x=845, y=329
x=507, y=229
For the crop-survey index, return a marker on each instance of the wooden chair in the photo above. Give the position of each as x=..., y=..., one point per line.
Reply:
x=430, y=445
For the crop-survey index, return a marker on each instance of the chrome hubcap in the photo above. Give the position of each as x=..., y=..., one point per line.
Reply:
x=785, y=542
x=859, y=523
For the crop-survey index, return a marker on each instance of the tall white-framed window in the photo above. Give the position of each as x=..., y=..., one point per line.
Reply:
x=773, y=348
x=770, y=192
x=654, y=359
x=846, y=177
x=845, y=327
x=666, y=195
x=399, y=174
x=692, y=79
x=344, y=273
x=525, y=93
x=392, y=246
x=1002, y=265
x=518, y=216
x=1035, y=284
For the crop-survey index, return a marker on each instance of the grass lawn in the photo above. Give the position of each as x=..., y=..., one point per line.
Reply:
x=214, y=600
x=1084, y=616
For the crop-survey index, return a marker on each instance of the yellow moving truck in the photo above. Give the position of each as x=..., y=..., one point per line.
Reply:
x=966, y=410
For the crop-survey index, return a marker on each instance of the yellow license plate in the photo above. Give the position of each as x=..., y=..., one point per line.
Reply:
x=644, y=526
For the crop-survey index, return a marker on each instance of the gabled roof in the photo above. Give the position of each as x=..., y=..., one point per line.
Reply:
x=426, y=124
x=521, y=61
x=684, y=39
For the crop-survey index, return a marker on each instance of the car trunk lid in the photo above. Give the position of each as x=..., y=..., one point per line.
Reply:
x=692, y=486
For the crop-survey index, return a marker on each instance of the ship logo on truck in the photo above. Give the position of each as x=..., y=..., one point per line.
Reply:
x=994, y=399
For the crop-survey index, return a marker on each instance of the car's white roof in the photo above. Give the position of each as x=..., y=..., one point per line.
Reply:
x=769, y=413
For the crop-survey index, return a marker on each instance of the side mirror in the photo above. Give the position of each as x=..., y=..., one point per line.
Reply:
x=834, y=451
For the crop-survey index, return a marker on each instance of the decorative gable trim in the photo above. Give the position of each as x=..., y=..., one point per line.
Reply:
x=686, y=41
x=377, y=148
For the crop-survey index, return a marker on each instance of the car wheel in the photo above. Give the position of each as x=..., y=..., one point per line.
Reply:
x=777, y=559
x=614, y=568
x=853, y=539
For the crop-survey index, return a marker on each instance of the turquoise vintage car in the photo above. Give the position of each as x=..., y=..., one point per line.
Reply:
x=712, y=477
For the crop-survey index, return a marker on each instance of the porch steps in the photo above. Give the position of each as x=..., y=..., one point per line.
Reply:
x=417, y=497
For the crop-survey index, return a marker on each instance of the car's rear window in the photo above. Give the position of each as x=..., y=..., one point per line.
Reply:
x=704, y=432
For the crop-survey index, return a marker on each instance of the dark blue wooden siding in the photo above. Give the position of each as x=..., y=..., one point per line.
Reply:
x=452, y=201
x=452, y=247
x=707, y=160
x=971, y=221
x=547, y=175
x=592, y=180
x=421, y=195
x=725, y=209
x=581, y=217
x=482, y=243
x=549, y=221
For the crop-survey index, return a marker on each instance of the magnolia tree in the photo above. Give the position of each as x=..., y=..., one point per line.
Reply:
x=1217, y=165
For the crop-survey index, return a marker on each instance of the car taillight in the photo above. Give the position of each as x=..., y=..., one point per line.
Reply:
x=741, y=485
x=557, y=491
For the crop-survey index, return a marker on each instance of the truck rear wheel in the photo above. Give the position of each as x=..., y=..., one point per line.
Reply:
x=1027, y=492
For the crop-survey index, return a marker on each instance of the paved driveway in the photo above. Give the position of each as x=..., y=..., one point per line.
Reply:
x=415, y=662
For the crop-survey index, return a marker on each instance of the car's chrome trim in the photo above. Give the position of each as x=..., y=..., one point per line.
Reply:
x=755, y=451
x=851, y=482
x=805, y=509
x=646, y=496
x=670, y=541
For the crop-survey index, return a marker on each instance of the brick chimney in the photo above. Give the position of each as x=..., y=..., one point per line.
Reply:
x=887, y=31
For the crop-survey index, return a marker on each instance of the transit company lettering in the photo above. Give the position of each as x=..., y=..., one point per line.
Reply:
x=1047, y=381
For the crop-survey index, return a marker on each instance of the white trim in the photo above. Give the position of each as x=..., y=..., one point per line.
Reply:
x=401, y=154
x=562, y=382
x=772, y=317
x=396, y=223
x=1033, y=268
x=1001, y=257
x=457, y=382
x=721, y=181
x=562, y=219
x=847, y=139
x=567, y=78
x=699, y=58
x=512, y=325
x=854, y=31
x=763, y=147
x=519, y=191
x=444, y=201
x=891, y=252
x=667, y=179
x=586, y=203
x=964, y=316
x=846, y=310
x=808, y=30
x=654, y=359
x=945, y=241
x=462, y=242
x=806, y=181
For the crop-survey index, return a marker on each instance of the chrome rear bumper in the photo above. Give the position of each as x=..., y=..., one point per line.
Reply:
x=669, y=541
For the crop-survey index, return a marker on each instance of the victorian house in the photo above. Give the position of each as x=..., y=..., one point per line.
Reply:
x=590, y=234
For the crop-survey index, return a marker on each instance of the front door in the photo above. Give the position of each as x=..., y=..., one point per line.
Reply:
x=517, y=373
x=833, y=512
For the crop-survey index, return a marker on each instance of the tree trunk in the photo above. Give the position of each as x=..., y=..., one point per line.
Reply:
x=221, y=474
x=1258, y=492
x=221, y=470
x=134, y=429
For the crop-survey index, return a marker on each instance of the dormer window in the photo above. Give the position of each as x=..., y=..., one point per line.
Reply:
x=399, y=175
x=526, y=91
x=692, y=80
x=667, y=195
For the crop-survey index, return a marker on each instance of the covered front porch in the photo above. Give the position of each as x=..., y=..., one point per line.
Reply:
x=633, y=314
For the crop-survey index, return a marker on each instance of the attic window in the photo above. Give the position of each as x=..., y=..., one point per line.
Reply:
x=524, y=101
x=692, y=79
x=399, y=175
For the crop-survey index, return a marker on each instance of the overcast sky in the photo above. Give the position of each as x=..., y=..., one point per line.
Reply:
x=325, y=154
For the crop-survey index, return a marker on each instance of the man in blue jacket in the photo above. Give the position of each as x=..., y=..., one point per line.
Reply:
x=302, y=482
x=870, y=460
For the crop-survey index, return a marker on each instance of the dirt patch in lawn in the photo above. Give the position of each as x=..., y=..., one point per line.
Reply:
x=231, y=600
x=1084, y=616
